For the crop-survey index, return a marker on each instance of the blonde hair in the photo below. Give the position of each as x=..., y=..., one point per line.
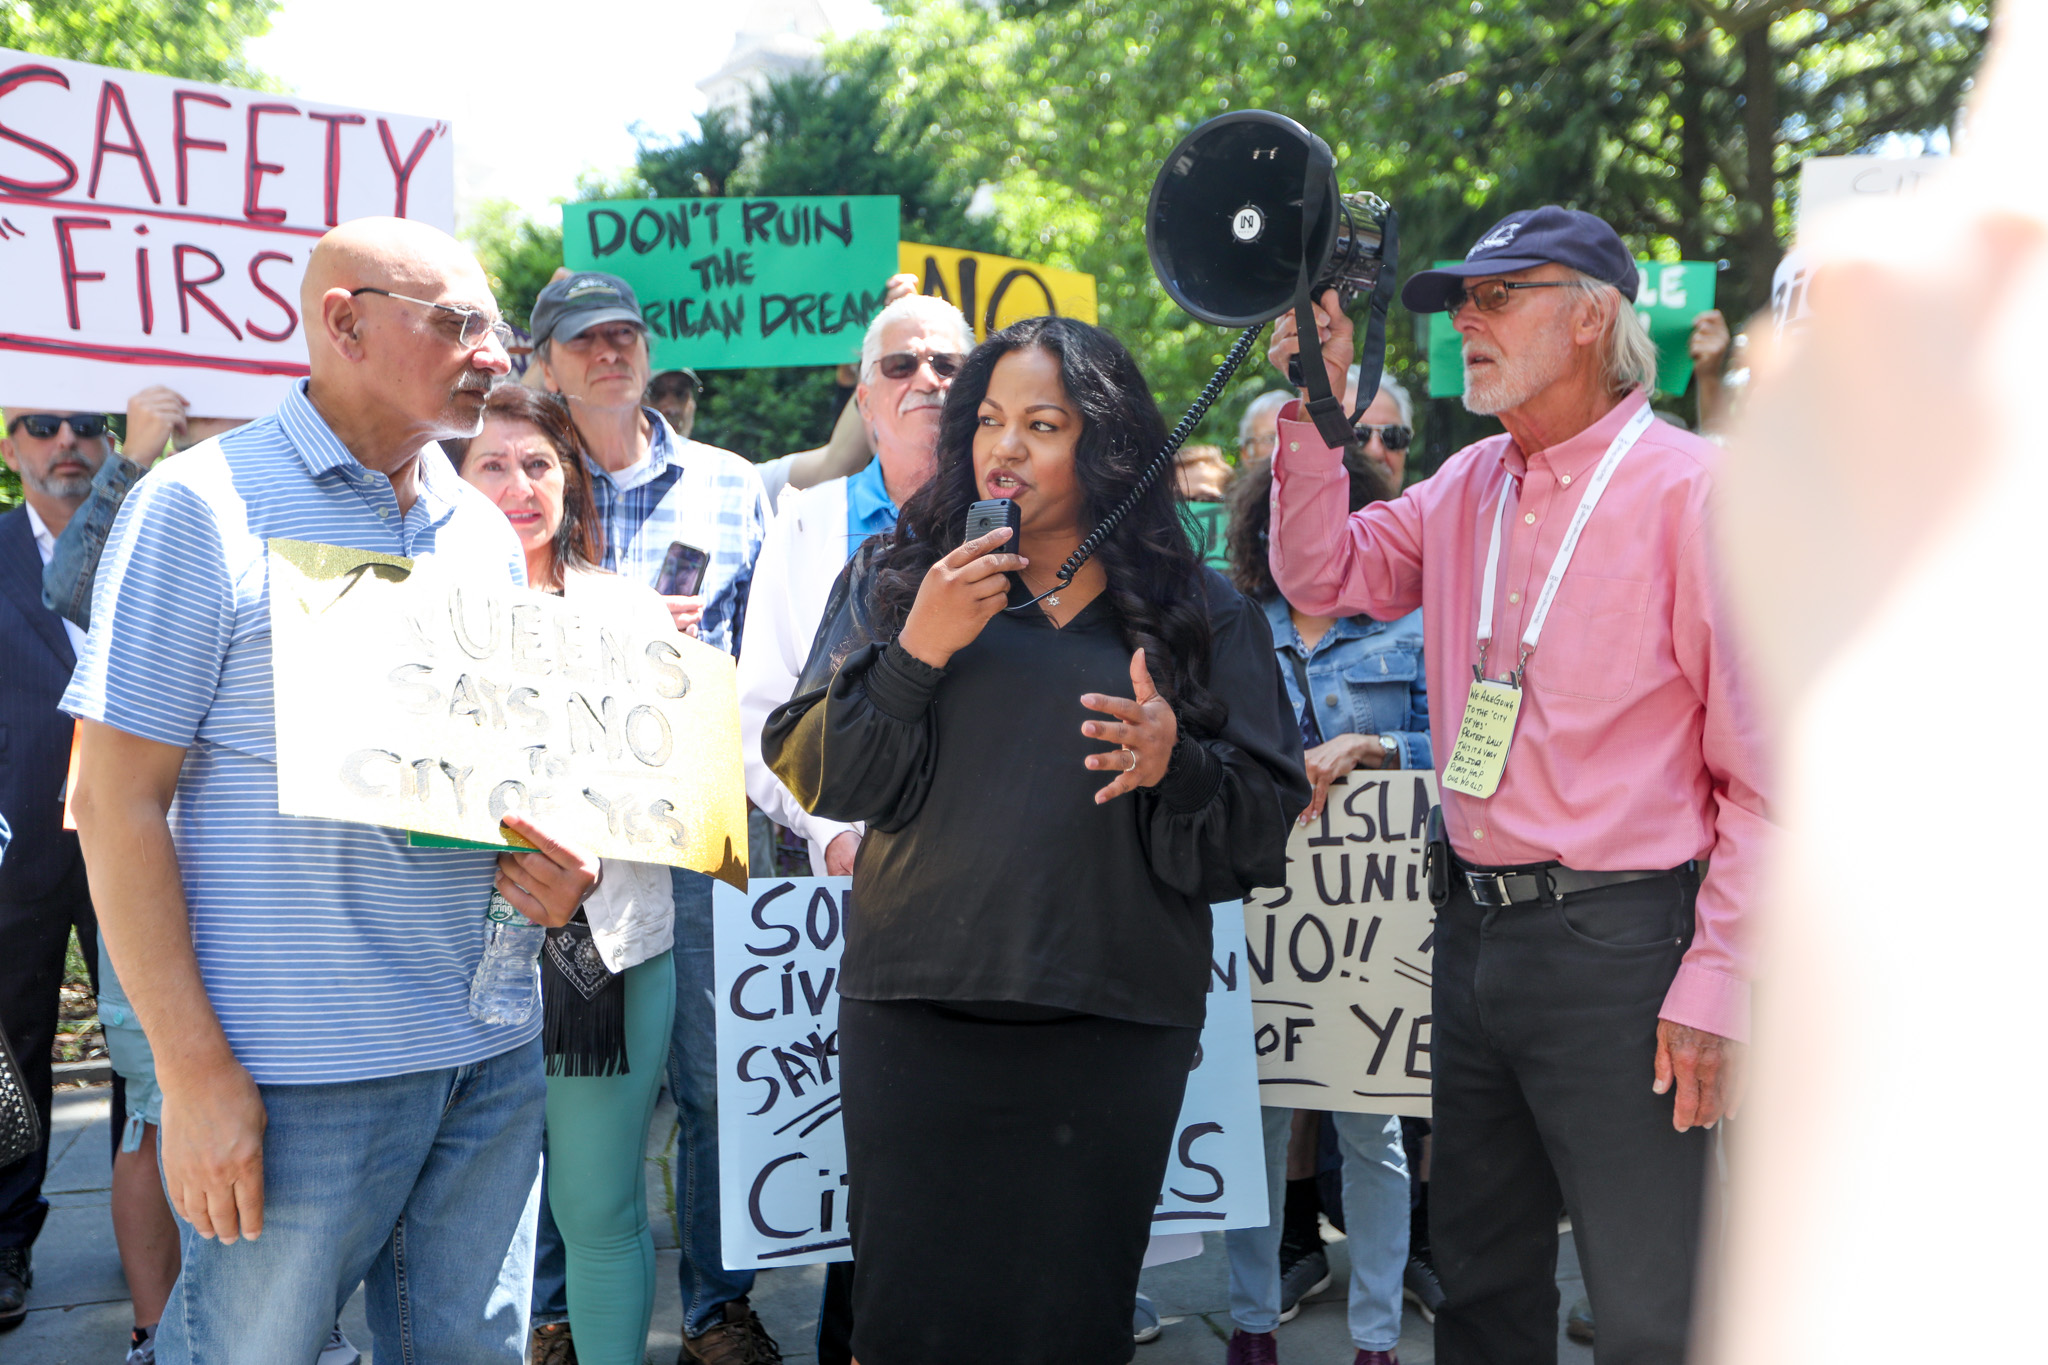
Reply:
x=1628, y=356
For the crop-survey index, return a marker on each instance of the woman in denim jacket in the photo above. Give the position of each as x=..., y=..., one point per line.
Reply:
x=1358, y=691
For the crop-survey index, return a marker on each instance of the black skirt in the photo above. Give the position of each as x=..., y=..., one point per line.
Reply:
x=1003, y=1173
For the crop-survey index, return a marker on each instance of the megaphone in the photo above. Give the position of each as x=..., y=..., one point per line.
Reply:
x=1246, y=221
x=1245, y=207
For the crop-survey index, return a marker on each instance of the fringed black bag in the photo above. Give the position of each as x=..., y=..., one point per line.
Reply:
x=583, y=1020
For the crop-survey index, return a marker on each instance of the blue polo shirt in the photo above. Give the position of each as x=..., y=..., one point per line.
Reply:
x=868, y=509
x=331, y=951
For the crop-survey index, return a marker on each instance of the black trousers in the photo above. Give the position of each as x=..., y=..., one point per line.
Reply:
x=1545, y=1036
x=33, y=937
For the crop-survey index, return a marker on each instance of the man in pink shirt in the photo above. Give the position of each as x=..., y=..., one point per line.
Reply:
x=1591, y=961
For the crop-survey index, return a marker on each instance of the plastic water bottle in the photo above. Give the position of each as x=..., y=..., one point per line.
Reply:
x=506, y=988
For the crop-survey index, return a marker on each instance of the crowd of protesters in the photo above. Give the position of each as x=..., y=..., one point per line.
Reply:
x=1075, y=769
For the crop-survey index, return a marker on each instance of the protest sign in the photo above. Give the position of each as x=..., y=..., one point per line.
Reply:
x=1341, y=956
x=782, y=1153
x=995, y=291
x=156, y=230
x=1669, y=295
x=727, y=284
x=414, y=697
x=1827, y=184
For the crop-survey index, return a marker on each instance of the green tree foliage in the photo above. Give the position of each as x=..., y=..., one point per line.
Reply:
x=1680, y=121
x=200, y=40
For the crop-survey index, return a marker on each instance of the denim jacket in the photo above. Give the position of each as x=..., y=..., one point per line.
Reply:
x=68, y=577
x=1365, y=678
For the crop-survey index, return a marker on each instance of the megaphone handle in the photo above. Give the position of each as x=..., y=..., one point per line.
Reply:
x=1372, y=356
x=1182, y=429
x=1324, y=408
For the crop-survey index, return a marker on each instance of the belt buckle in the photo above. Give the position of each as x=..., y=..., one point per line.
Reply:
x=1489, y=884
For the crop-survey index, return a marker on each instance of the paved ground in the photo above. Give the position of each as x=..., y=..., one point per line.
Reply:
x=79, y=1307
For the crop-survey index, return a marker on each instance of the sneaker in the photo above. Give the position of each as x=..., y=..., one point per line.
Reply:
x=552, y=1345
x=1304, y=1279
x=1420, y=1286
x=1144, y=1321
x=141, y=1346
x=15, y=1280
x=339, y=1350
x=1251, y=1348
x=739, y=1340
x=1578, y=1324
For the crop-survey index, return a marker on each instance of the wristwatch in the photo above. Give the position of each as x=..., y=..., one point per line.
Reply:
x=1390, y=752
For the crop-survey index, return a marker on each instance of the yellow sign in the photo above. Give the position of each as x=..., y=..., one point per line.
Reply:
x=995, y=291
x=412, y=697
x=1481, y=752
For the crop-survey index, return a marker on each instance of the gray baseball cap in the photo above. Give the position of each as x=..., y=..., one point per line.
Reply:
x=574, y=304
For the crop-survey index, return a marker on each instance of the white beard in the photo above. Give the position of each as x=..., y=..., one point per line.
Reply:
x=1513, y=380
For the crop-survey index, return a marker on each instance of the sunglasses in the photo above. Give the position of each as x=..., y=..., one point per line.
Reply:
x=903, y=364
x=86, y=426
x=1490, y=296
x=1393, y=436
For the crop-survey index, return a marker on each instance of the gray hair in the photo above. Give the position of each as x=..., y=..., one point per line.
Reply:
x=935, y=313
x=1628, y=356
x=1266, y=404
x=1391, y=387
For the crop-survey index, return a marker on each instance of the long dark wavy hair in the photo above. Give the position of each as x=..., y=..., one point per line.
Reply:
x=578, y=543
x=1155, y=583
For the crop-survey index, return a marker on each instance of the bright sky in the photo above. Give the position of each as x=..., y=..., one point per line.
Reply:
x=535, y=101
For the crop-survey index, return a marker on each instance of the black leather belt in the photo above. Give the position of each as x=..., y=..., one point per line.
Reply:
x=1494, y=888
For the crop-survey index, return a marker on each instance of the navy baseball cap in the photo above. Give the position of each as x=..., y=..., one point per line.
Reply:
x=1529, y=237
x=571, y=306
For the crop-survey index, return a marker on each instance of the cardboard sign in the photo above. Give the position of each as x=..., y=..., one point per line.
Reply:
x=1669, y=295
x=1341, y=956
x=729, y=284
x=995, y=291
x=782, y=1152
x=412, y=697
x=155, y=231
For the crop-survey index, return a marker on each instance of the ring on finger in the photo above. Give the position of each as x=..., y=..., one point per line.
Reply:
x=1131, y=766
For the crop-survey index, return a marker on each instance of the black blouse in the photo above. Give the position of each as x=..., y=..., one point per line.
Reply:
x=988, y=872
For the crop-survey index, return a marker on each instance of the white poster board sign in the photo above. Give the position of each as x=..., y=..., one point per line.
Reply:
x=155, y=231
x=781, y=1150
x=1342, y=955
x=412, y=696
x=1828, y=184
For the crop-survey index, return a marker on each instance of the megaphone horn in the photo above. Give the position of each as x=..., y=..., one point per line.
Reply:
x=1246, y=221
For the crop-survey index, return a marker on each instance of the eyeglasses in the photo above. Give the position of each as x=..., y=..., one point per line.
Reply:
x=476, y=324
x=620, y=336
x=86, y=426
x=903, y=364
x=1490, y=296
x=1393, y=435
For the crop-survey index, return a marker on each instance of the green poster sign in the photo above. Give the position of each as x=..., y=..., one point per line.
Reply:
x=1668, y=298
x=729, y=284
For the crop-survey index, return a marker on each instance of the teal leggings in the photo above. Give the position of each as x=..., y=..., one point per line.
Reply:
x=597, y=1183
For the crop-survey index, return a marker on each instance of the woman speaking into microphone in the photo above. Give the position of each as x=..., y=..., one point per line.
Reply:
x=1056, y=785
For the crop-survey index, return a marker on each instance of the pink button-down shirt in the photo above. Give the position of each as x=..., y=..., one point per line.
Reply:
x=1632, y=750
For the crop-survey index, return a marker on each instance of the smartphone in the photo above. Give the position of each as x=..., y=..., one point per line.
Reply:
x=682, y=570
x=989, y=513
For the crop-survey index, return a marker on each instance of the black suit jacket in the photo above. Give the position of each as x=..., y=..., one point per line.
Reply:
x=35, y=737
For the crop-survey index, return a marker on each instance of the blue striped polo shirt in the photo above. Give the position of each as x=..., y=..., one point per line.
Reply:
x=331, y=951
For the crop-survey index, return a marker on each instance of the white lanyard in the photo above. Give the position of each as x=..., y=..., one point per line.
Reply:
x=1623, y=442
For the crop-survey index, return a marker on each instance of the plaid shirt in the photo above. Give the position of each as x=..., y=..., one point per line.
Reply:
x=700, y=495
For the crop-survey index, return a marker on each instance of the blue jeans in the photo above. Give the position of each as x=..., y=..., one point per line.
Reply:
x=707, y=1286
x=1375, y=1219
x=423, y=1188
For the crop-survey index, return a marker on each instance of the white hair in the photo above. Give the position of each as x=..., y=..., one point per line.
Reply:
x=935, y=313
x=1266, y=404
x=1391, y=387
x=1628, y=357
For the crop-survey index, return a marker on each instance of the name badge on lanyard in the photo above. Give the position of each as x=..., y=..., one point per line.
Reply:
x=1491, y=707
